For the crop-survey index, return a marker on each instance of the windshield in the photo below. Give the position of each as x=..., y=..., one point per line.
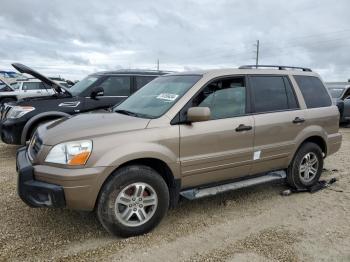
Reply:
x=3, y=86
x=336, y=92
x=81, y=86
x=158, y=96
x=15, y=85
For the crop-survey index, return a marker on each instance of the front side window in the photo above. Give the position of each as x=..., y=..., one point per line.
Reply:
x=272, y=93
x=116, y=86
x=156, y=98
x=82, y=85
x=314, y=92
x=225, y=98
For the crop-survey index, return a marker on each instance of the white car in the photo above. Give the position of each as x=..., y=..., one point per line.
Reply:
x=23, y=89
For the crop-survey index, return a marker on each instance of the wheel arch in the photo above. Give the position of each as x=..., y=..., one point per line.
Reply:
x=51, y=115
x=8, y=96
x=314, y=138
x=161, y=167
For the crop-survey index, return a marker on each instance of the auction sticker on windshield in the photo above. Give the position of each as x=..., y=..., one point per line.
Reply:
x=167, y=96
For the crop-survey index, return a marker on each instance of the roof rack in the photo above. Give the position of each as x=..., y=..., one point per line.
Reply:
x=279, y=67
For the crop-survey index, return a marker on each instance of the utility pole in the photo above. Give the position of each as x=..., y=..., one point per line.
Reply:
x=158, y=64
x=257, y=53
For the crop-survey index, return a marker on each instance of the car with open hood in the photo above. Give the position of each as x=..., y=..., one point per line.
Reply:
x=184, y=135
x=340, y=92
x=97, y=91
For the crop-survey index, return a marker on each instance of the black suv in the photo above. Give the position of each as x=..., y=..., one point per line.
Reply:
x=97, y=91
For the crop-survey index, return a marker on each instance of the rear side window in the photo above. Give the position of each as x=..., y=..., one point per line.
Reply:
x=272, y=93
x=33, y=86
x=314, y=92
x=116, y=86
x=143, y=80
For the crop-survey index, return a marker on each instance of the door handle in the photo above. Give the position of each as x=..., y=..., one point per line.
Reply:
x=243, y=127
x=298, y=120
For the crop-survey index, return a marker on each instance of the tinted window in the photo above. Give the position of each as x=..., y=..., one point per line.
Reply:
x=314, y=92
x=292, y=100
x=269, y=93
x=143, y=80
x=82, y=85
x=336, y=92
x=225, y=98
x=116, y=86
x=33, y=86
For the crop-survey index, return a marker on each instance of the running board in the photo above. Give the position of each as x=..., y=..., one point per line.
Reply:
x=211, y=191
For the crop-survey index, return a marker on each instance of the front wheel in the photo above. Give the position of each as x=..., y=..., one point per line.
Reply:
x=133, y=201
x=306, y=167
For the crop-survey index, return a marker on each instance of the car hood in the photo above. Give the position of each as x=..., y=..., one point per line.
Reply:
x=87, y=126
x=27, y=70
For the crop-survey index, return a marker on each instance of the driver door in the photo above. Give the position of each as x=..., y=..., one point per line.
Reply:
x=218, y=149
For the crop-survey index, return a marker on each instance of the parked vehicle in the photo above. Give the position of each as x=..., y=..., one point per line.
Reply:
x=4, y=87
x=340, y=92
x=9, y=76
x=25, y=88
x=192, y=135
x=97, y=91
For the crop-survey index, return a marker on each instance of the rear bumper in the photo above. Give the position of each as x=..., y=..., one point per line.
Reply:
x=36, y=193
x=334, y=143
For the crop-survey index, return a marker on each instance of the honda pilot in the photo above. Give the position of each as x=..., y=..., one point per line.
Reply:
x=184, y=135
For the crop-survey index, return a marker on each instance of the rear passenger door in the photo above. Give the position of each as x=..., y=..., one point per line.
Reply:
x=278, y=120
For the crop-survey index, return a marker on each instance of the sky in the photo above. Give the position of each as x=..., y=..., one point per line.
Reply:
x=76, y=38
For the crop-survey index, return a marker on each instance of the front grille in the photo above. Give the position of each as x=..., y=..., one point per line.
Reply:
x=35, y=146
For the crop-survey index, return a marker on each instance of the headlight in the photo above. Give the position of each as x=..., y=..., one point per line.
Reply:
x=19, y=111
x=71, y=153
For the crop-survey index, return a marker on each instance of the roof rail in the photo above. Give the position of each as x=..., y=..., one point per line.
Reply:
x=279, y=67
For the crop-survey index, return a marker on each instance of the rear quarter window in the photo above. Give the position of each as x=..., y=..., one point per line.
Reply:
x=314, y=92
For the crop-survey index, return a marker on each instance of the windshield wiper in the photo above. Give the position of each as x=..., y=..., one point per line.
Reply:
x=129, y=113
x=126, y=112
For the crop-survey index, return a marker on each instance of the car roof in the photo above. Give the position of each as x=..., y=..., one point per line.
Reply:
x=246, y=71
x=133, y=72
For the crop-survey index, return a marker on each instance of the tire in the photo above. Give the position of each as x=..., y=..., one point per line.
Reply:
x=6, y=100
x=113, y=206
x=299, y=179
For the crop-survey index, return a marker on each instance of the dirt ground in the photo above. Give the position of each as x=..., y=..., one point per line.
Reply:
x=255, y=224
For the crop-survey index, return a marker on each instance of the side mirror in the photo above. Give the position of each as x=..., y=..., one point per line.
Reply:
x=97, y=91
x=198, y=114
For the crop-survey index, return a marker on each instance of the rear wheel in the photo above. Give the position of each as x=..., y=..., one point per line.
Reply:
x=306, y=167
x=133, y=201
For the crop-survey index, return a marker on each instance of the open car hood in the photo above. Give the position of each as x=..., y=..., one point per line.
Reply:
x=27, y=70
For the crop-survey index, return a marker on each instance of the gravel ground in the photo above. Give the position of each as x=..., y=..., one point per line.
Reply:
x=255, y=224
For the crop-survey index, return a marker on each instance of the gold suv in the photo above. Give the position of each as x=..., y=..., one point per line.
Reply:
x=188, y=135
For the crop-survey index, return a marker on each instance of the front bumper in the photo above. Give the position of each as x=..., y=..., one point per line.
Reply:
x=36, y=193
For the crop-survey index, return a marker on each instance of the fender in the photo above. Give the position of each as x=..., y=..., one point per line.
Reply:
x=36, y=118
x=310, y=131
